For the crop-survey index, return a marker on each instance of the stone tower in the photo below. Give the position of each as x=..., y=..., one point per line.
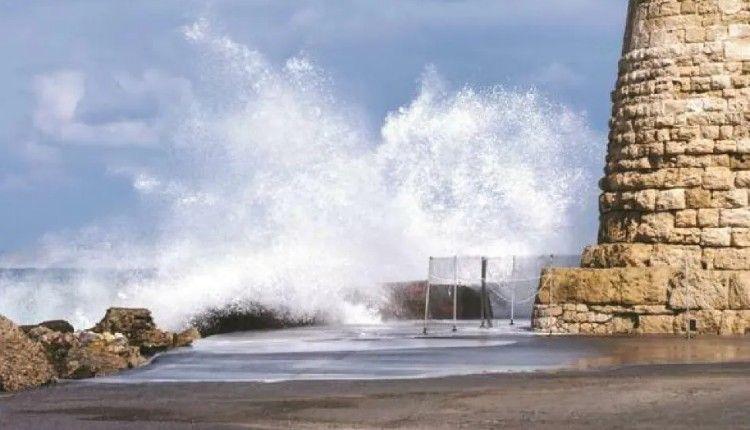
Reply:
x=674, y=234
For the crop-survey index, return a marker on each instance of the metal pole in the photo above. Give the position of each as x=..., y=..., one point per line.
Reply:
x=455, y=289
x=552, y=285
x=490, y=315
x=481, y=297
x=481, y=305
x=512, y=290
x=427, y=297
x=484, y=298
x=687, y=300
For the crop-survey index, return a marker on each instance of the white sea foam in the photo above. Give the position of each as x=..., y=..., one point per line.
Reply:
x=276, y=192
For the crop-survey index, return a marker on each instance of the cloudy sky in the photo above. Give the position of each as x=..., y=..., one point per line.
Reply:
x=88, y=88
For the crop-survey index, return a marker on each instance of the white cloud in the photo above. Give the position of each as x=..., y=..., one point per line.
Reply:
x=58, y=97
x=556, y=74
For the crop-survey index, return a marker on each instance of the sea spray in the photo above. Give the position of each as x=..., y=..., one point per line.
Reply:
x=275, y=193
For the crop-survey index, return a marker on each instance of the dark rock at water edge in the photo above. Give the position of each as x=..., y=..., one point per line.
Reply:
x=61, y=326
x=244, y=316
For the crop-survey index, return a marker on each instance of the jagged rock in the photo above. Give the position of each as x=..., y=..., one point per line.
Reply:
x=138, y=326
x=23, y=362
x=86, y=354
x=51, y=350
x=102, y=354
x=129, y=321
x=186, y=338
x=61, y=326
x=56, y=345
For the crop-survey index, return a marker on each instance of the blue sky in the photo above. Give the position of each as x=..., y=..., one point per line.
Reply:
x=87, y=87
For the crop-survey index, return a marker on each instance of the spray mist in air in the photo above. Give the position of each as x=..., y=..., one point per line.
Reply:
x=276, y=194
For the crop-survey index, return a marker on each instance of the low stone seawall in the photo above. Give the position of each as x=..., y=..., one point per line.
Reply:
x=645, y=300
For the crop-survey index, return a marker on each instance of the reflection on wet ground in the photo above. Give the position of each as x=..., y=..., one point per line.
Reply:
x=621, y=351
x=398, y=350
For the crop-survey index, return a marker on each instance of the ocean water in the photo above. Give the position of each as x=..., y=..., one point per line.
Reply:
x=398, y=350
x=383, y=351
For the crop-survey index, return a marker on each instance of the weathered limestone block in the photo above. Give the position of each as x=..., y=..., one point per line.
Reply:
x=701, y=289
x=544, y=323
x=734, y=217
x=548, y=310
x=736, y=198
x=682, y=177
x=656, y=324
x=734, y=323
x=655, y=227
x=742, y=179
x=738, y=50
x=577, y=286
x=618, y=226
x=741, y=237
x=698, y=198
x=670, y=199
x=647, y=286
x=716, y=237
x=629, y=285
x=708, y=217
x=718, y=178
x=617, y=255
x=675, y=255
x=596, y=317
x=726, y=258
x=620, y=324
x=707, y=321
x=686, y=218
x=739, y=290
x=570, y=328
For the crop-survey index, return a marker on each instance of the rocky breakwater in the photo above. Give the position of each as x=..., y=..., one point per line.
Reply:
x=38, y=354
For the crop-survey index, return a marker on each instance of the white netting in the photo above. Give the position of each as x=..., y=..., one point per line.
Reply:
x=464, y=271
x=508, y=278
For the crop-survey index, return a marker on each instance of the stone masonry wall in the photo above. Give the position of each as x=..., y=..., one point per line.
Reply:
x=677, y=176
x=678, y=163
x=643, y=300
